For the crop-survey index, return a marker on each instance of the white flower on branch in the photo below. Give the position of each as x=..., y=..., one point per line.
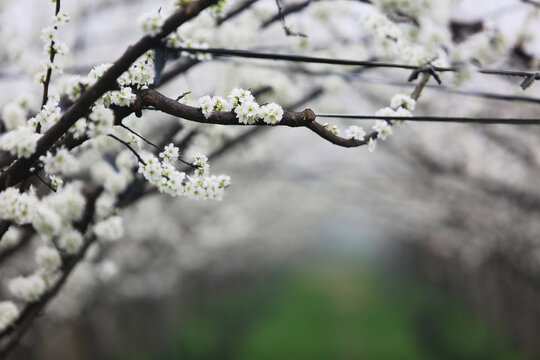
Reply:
x=18, y=207
x=102, y=120
x=355, y=132
x=8, y=314
x=110, y=229
x=10, y=238
x=60, y=162
x=48, y=258
x=405, y=101
x=247, y=112
x=151, y=22
x=170, y=154
x=21, y=141
x=70, y=241
x=271, y=113
x=107, y=270
x=28, y=288
x=124, y=97
x=383, y=129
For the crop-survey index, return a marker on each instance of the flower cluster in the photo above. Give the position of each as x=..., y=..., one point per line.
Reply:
x=102, y=121
x=60, y=162
x=211, y=104
x=243, y=103
x=49, y=36
x=70, y=241
x=151, y=22
x=14, y=113
x=392, y=41
x=55, y=212
x=29, y=288
x=140, y=74
x=8, y=314
x=355, y=132
x=17, y=207
x=96, y=73
x=164, y=175
x=383, y=129
x=48, y=258
x=404, y=101
x=110, y=229
x=10, y=238
x=21, y=142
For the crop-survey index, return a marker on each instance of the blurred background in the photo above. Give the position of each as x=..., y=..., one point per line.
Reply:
x=425, y=249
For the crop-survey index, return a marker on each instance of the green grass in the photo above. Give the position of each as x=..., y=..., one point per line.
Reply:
x=334, y=311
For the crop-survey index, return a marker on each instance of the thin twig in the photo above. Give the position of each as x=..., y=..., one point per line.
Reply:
x=140, y=137
x=284, y=25
x=44, y=182
x=129, y=147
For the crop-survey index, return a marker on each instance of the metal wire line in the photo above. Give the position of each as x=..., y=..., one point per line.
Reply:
x=443, y=119
x=332, y=61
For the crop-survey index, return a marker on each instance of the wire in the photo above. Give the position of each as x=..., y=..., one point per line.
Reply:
x=331, y=61
x=445, y=119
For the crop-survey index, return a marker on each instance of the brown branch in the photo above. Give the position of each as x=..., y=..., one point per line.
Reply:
x=150, y=97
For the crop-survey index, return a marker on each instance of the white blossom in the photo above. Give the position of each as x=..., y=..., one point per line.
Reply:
x=102, y=121
x=10, y=238
x=97, y=72
x=382, y=128
x=13, y=115
x=271, y=113
x=70, y=241
x=28, y=288
x=238, y=96
x=56, y=182
x=405, y=101
x=124, y=97
x=106, y=270
x=48, y=258
x=47, y=221
x=21, y=141
x=372, y=145
x=151, y=22
x=355, y=132
x=68, y=202
x=170, y=154
x=60, y=162
x=207, y=104
x=110, y=229
x=247, y=112
x=18, y=207
x=8, y=314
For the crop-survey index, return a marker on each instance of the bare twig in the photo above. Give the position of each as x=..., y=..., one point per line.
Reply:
x=129, y=148
x=284, y=12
